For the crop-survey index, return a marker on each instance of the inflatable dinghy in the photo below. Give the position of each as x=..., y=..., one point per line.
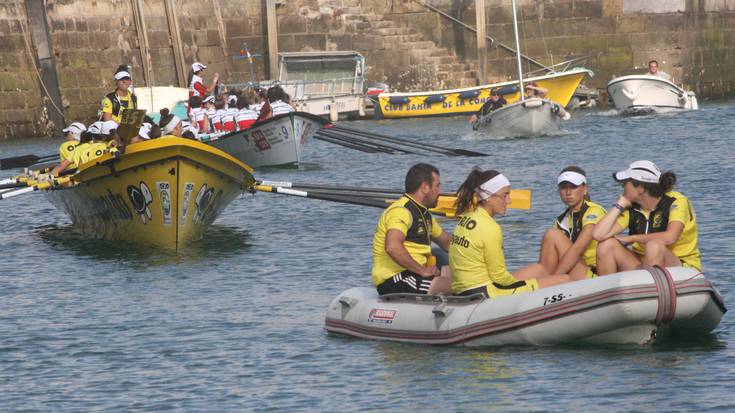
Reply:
x=623, y=308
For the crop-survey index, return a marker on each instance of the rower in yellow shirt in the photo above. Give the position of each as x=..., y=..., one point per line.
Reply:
x=661, y=224
x=476, y=253
x=72, y=136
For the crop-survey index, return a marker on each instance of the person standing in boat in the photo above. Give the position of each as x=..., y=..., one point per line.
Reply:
x=494, y=103
x=121, y=98
x=403, y=237
x=197, y=87
x=653, y=71
x=532, y=90
x=568, y=247
x=661, y=224
x=476, y=252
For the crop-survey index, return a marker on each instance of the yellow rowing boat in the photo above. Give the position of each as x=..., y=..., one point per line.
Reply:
x=163, y=192
x=561, y=87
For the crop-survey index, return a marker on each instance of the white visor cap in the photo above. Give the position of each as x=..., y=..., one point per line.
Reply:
x=196, y=67
x=641, y=171
x=122, y=75
x=75, y=129
x=574, y=178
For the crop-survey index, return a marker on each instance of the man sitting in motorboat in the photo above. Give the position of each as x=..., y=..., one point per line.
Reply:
x=661, y=223
x=476, y=252
x=494, y=103
x=568, y=247
x=653, y=71
x=402, y=240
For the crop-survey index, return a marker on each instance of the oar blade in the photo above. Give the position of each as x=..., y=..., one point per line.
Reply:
x=18, y=161
x=520, y=199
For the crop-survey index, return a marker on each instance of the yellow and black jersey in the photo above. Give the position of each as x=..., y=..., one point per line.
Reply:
x=476, y=254
x=416, y=223
x=571, y=223
x=673, y=206
x=114, y=104
x=66, y=152
x=86, y=152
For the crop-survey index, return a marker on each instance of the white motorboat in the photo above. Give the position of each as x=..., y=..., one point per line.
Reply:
x=645, y=93
x=623, y=308
x=528, y=118
x=275, y=142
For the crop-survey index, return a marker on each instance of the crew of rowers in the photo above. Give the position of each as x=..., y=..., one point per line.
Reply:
x=209, y=113
x=584, y=241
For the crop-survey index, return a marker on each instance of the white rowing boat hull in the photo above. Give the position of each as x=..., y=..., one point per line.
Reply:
x=530, y=118
x=276, y=142
x=628, y=307
x=641, y=92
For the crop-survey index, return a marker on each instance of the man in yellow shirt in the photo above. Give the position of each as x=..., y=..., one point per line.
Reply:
x=121, y=98
x=402, y=240
x=72, y=136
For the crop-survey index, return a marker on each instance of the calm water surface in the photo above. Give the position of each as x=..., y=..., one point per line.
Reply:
x=236, y=321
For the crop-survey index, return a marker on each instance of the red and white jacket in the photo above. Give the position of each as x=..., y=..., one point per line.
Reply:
x=245, y=118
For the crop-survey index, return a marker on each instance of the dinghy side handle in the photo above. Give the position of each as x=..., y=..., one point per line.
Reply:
x=347, y=301
x=441, y=310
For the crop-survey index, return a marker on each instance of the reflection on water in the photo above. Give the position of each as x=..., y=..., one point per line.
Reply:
x=219, y=242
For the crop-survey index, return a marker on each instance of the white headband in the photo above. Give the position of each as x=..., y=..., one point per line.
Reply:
x=492, y=186
x=145, y=131
x=171, y=125
x=572, y=177
x=122, y=75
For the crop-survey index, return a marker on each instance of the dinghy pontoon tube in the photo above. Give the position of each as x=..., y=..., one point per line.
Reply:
x=628, y=307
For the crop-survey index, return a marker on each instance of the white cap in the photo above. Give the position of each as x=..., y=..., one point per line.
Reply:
x=95, y=128
x=145, y=131
x=232, y=99
x=122, y=75
x=641, y=171
x=197, y=67
x=75, y=129
x=108, y=127
x=574, y=178
x=208, y=99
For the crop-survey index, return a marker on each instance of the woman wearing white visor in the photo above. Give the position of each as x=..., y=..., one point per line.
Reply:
x=661, y=223
x=476, y=251
x=568, y=247
x=122, y=98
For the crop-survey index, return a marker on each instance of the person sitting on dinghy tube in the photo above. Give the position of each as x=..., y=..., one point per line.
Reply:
x=402, y=240
x=476, y=252
x=568, y=247
x=661, y=223
x=494, y=103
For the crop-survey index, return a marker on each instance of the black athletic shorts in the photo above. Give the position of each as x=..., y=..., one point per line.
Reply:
x=406, y=282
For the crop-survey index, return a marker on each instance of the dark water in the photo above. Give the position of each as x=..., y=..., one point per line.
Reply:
x=235, y=322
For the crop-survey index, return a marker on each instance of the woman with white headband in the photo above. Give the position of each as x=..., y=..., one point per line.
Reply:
x=476, y=251
x=661, y=224
x=171, y=125
x=568, y=247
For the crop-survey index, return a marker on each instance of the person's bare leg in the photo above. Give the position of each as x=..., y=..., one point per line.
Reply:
x=658, y=254
x=443, y=283
x=613, y=257
x=551, y=280
x=553, y=246
x=530, y=271
x=579, y=271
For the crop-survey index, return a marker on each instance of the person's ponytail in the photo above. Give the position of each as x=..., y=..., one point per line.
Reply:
x=466, y=192
x=667, y=181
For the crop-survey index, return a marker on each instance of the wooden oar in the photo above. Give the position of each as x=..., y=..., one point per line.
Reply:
x=24, y=160
x=35, y=187
x=520, y=198
x=355, y=139
x=462, y=152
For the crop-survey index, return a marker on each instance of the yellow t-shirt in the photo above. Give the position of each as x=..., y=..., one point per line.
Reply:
x=124, y=104
x=592, y=215
x=66, y=151
x=680, y=209
x=416, y=223
x=476, y=253
x=86, y=152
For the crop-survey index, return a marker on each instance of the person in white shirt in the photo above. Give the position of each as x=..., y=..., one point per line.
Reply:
x=653, y=71
x=278, y=100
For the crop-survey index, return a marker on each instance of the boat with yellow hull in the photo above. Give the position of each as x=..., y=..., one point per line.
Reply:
x=163, y=192
x=561, y=87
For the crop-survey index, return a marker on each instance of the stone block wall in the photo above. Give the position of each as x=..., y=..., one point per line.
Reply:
x=693, y=40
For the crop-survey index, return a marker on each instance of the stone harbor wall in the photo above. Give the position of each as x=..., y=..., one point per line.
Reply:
x=57, y=57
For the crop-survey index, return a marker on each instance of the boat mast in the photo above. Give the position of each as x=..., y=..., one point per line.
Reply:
x=518, y=51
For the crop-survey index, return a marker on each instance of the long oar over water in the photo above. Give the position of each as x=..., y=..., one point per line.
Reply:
x=24, y=161
x=376, y=197
x=34, y=186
